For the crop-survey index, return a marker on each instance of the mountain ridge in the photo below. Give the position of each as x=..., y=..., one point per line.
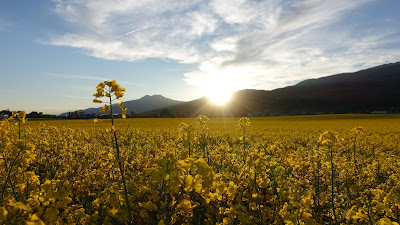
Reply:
x=375, y=88
x=141, y=105
x=364, y=91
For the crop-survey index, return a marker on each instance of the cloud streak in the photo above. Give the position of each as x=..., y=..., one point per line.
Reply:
x=72, y=76
x=77, y=97
x=260, y=44
x=83, y=77
x=132, y=32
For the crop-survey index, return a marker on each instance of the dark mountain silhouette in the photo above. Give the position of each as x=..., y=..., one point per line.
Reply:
x=149, y=103
x=144, y=104
x=365, y=91
x=377, y=88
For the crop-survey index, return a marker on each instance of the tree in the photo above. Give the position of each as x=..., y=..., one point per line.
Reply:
x=165, y=113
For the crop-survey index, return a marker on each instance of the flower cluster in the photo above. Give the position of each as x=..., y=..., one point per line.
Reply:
x=200, y=173
x=112, y=91
x=109, y=88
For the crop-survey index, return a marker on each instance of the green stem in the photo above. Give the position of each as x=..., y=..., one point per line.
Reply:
x=120, y=164
x=9, y=175
x=369, y=215
x=12, y=185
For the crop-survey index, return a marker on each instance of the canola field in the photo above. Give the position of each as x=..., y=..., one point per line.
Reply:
x=325, y=169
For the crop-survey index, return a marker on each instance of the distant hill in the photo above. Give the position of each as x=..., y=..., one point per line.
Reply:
x=368, y=90
x=365, y=91
x=144, y=104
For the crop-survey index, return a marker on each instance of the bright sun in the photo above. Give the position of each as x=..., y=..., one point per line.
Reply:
x=219, y=96
x=219, y=87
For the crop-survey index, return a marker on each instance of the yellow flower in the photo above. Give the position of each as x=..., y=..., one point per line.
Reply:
x=110, y=83
x=105, y=108
x=193, y=183
x=118, y=94
x=20, y=115
x=328, y=138
x=98, y=94
x=187, y=205
x=3, y=214
x=97, y=101
x=120, y=104
x=149, y=206
x=113, y=211
x=386, y=221
x=108, y=89
x=19, y=205
x=115, y=87
x=97, y=120
x=100, y=85
x=3, y=129
x=34, y=220
x=124, y=113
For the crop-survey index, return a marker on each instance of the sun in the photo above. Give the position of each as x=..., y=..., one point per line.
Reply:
x=219, y=96
x=219, y=87
x=219, y=92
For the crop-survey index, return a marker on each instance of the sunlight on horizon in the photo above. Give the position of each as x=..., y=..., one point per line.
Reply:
x=219, y=82
x=219, y=96
x=219, y=88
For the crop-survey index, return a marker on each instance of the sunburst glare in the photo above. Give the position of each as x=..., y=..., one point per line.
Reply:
x=219, y=96
x=219, y=89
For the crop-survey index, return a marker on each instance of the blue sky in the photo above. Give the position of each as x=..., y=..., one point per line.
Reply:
x=53, y=53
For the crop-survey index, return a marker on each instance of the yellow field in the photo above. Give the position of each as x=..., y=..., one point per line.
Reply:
x=344, y=121
x=327, y=169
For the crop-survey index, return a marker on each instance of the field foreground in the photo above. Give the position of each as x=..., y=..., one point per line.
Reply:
x=328, y=169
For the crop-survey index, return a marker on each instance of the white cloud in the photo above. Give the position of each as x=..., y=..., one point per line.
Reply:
x=258, y=44
x=244, y=12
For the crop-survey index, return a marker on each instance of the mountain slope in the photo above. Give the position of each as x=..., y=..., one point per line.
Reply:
x=377, y=88
x=362, y=91
x=144, y=104
x=149, y=103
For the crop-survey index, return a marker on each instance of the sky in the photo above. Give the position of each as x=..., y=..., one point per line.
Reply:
x=54, y=53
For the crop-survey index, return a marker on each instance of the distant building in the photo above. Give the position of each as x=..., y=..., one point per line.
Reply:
x=5, y=114
x=379, y=112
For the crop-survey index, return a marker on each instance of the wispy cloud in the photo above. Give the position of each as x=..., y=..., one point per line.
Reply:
x=77, y=97
x=74, y=76
x=260, y=44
